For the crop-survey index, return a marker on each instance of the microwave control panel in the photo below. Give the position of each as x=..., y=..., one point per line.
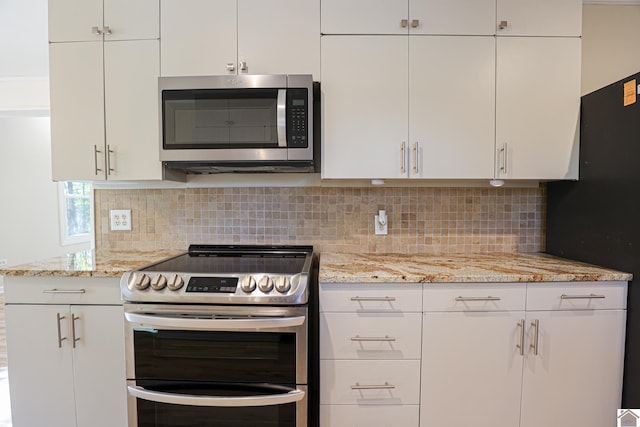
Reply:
x=297, y=118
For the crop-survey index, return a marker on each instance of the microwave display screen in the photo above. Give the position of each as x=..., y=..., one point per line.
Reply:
x=298, y=102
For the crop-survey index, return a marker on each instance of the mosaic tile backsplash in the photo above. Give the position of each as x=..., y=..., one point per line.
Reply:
x=421, y=220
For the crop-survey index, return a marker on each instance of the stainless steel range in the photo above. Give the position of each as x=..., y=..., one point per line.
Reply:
x=219, y=336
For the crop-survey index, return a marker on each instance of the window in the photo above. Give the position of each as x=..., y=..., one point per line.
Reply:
x=76, y=219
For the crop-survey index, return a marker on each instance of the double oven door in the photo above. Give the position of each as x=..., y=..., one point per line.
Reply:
x=218, y=366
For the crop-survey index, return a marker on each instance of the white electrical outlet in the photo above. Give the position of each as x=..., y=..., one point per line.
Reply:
x=3, y=262
x=120, y=219
x=381, y=223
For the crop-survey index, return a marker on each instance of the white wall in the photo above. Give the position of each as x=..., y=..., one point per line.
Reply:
x=28, y=197
x=23, y=38
x=610, y=49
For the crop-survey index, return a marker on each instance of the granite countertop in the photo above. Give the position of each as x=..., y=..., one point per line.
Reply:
x=463, y=268
x=89, y=263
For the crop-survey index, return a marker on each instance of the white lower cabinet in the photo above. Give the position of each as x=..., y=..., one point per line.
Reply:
x=491, y=354
x=66, y=360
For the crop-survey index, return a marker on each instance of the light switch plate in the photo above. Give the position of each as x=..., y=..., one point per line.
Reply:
x=120, y=219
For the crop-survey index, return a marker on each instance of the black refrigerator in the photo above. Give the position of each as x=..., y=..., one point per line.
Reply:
x=597, y=218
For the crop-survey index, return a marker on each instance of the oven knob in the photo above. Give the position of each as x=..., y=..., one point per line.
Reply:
x=283, y=284
x=159, y=282
x=175, y=282
x=265, y=284
x=248, y=284
x=141, y=281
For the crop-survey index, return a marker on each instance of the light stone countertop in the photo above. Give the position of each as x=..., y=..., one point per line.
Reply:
x=459, y=268
x=89, y=263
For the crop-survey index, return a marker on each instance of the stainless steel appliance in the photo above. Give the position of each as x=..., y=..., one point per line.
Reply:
x=219, y=336
x=254, y=123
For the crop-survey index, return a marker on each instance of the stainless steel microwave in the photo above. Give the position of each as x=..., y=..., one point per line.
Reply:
x=245, y=123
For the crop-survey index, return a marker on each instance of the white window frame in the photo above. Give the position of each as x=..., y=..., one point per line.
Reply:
x=65, y=239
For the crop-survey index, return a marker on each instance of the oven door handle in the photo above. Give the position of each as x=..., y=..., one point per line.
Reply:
x=188, y=399
x=159, y=322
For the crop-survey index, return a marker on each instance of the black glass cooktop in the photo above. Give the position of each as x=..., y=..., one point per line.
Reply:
x=218, y=259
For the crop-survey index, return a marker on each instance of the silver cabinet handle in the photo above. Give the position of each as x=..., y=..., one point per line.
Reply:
x=74, y=339
x=107, y=30
x=503, y=158
x=502, y=25
x=489, y=298
x=64, y=291
x=384, y=386
x=534, y=344
x=231, y=66
x=95, y=159
x=415, y=157
x=96, y=31
x=243, y=66
x=109, y=168
x=218, y=401
x=404, y=23
x=520, y=345
x=403, y=166
x=372, y=339
x=415, y=23
x=370, y=299
x=60, y=337
x=590, y=296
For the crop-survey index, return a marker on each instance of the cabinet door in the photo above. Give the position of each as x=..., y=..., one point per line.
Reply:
x=99, y=367
x=199, y=37
x=72, y=20
x=452, y=107
x=279, y=36
x=365, y=106
x=537, y=107
x=77, y=111
x=40, y=371
x=471, y=369
x=131, y=109
x=132, y=20
x=452, y=17
x=576, y=377
x=364, y=16
x=540, y=17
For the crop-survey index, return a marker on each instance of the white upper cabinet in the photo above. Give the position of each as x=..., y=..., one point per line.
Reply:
x=90, y=20
x=539, y=18
x=537, y=107
x=451, y=107
x=365, y=107
x=201, y=37
x=468, y=17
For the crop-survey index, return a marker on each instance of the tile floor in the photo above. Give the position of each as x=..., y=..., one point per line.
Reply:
x=5, y=407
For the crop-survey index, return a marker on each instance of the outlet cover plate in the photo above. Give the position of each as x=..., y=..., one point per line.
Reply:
x=3, y=262
x=380, y=229
x=120, y=219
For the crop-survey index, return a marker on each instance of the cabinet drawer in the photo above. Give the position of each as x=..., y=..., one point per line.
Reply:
x=577, y=296
x=370, y=335
x=370, y=382
x=369, y=416
x=61, y=290
x=474, y=297
x=370, y=297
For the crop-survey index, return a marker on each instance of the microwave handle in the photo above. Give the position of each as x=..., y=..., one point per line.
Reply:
x=162, y=322
x=187, y=399
x=282, y=118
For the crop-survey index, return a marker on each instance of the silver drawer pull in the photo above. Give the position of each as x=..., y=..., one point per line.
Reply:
x=389, y=299
x=385, y=338
x=477, y=298
x=385, y=386
x=64, y=291
x=590, y=296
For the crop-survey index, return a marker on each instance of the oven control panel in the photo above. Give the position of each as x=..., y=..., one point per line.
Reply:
x=233, y=289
